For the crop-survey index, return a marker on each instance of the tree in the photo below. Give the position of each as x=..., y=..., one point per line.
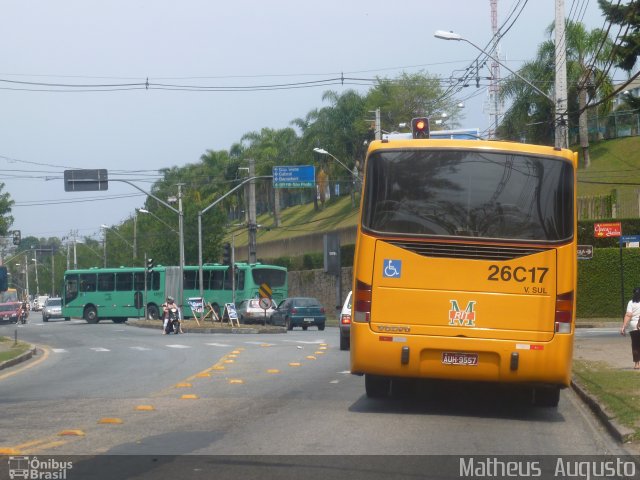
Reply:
x=627, y=50
x=588, y=54
x=409, y=96
x=6, y=219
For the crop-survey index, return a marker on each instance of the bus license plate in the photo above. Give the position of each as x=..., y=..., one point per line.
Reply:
x=458, y=358
x=309, y=320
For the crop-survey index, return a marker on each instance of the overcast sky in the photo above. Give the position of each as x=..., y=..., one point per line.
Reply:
x=205, y=42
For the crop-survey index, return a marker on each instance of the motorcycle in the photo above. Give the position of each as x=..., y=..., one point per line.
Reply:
x=23, y=316
x=173, y=324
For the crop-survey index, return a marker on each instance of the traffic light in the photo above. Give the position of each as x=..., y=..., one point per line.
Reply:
x=226, y=254
x=16, y=237
x=149, y=264
x=4, y=279
x=420, y=127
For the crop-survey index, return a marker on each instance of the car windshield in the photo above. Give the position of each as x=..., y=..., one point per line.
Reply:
x=54, y=302
x=7, y=308
x=306, y=302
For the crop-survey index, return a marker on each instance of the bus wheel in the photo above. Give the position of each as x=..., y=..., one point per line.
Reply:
x=546, y=396
x=90, y=314
x=152, y=312
x=377, y=387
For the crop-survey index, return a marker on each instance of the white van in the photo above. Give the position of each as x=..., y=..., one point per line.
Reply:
x=39, y=302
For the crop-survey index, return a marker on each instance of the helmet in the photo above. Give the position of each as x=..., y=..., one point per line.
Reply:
x=170, y=299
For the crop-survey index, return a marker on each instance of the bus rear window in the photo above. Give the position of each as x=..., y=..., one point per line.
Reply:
x=273, y=278
x=467, y=193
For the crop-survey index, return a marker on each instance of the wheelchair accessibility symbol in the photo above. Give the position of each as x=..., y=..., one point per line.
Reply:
x=392, y=268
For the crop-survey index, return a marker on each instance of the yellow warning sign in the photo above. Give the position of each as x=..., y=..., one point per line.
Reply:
x=265, y=291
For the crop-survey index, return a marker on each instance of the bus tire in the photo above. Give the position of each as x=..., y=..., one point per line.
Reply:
x=546, y=396
x=321, y=326
x=90, y=314
x=376, y=386
x=66, y=319
x=153, y=313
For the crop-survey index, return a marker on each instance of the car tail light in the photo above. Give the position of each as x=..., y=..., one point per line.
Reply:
x=564, y=312
x=293, y=311
x=345, y=319
x=362, y=302
x=321, y=309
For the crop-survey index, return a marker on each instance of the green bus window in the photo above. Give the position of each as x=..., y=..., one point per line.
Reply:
x=70, y=288
x=227, y=279
x=124, y=282
x=88, y=282
x=138, y=281
x=155, y=281
x=105, y=282
x=217, y=279
x=273, y=278
x=240, y=279
x=191, y=280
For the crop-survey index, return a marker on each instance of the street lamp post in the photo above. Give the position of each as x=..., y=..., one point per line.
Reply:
x=35, y=262
x=142, y=210
x=561, y=126
x=105, y=227
x=354, y=173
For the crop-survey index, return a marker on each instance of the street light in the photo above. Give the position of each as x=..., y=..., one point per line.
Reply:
x=444, y=35
x=107, y=227
x=37, y=284
x=142, y=210
x=354, y=172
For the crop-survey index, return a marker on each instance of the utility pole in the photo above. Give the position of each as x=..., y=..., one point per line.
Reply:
x=378, y=125
x=181, y=232
x=561, y=104
x=252, y=213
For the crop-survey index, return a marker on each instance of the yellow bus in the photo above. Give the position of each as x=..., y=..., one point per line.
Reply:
x=465, y=265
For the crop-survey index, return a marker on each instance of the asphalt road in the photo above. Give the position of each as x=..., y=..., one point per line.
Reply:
x=117, y=389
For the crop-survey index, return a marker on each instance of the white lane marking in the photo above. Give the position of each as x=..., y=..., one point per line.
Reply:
x=100, y=349
x=59, y=350
x=334, y=381
x=178, y=346
x=345, y=372
x=262, y=344
x=315, y=342
x=142, y=349
x=78, y=321
x=218, y=344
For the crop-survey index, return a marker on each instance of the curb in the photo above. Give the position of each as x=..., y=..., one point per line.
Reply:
x=621, y=433
x=33, y=350
x=234, y=330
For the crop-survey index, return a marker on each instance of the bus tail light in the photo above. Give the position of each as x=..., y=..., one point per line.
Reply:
x=362, y=302
x=564, y=312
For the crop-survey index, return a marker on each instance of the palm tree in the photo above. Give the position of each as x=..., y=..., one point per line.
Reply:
x=588, y=56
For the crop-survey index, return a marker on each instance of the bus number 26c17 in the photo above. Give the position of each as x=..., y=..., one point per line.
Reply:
x=519, y=274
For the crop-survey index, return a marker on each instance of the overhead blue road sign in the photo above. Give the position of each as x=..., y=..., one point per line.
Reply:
x=294, y=176
x=629, y=238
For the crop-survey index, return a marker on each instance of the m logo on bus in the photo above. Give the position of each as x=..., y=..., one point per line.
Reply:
x=459, y=317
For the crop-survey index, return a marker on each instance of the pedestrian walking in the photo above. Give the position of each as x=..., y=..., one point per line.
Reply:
x=630, y=324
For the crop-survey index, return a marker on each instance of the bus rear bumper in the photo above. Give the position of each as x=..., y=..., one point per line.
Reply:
x=462, y=358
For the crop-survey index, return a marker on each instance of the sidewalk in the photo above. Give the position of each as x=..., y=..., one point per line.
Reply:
x=612, y=350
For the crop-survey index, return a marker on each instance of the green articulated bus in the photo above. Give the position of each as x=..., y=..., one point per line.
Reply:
x=119, y=293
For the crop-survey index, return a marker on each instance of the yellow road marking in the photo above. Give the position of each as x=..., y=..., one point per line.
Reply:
x=9, y=451
x=319, y=352
x=183, y=385
x=295, y=364
x=236, y=351
x=231, y=355
x=190, y=396
x=145, y=408
x=310, y=357
x=71, y=433
x=52, y=444
x=110, y=420
x=217, y=367
x=273, y=370
x=29, y=365
x=236, y=381
x=203, y=375
x=229, y=361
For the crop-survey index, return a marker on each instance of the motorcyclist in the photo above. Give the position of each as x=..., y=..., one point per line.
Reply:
x=24, y=311
x=166, y=308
